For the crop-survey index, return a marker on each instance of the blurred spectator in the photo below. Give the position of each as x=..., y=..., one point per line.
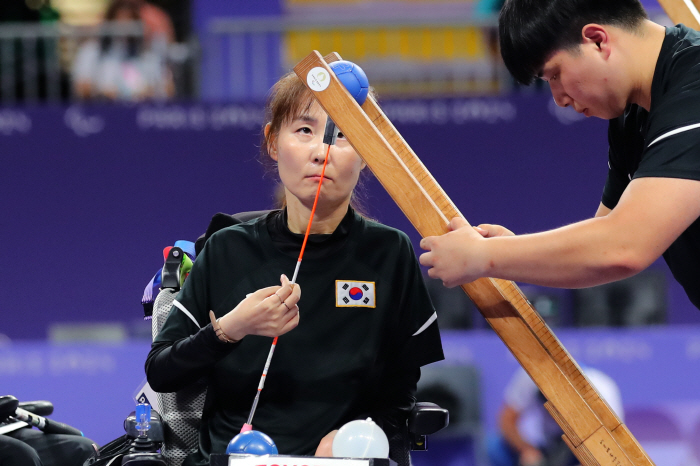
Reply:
x=156, y=22
x=528, y=435
x=126, y=67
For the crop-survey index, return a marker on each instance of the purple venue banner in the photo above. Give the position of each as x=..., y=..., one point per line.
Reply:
x=91, y=195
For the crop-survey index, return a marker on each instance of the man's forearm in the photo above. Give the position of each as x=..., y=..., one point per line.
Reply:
x=583, y=254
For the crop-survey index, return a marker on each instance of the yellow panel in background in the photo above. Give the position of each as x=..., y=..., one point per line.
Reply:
x=326, y=2
x=383, y=43
x=449, y=49
x=349, y=2
x=348, y=43
x=407, y=43
x=440, y=47
x=296, y=42
x=315, y=41
x=336, y=43
x=393, y=43
x=459, y=39
x=373, y=43
x=475, y=45
x=292, y=46
x=359, y=44
x=424, y=48
x=469, y=43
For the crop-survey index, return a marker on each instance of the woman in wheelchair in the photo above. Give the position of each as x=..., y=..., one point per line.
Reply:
x=351, y=348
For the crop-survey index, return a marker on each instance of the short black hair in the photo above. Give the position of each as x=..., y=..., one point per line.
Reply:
x=532, y=30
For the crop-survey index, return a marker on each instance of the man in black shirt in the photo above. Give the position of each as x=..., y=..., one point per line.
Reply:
x=604, y=58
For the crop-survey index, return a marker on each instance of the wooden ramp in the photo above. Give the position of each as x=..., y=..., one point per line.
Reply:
x=591, y=429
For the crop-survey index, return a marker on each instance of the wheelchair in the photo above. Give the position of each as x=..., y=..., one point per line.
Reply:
x=53, y=443
x=16, y=415
x=181, y=411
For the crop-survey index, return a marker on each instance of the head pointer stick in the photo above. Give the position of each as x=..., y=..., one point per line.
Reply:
x=329, y=138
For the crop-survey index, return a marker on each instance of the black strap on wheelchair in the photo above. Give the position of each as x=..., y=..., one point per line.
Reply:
x=170, y=277
x=111, y=453
x=38, y=407
x=220, y=221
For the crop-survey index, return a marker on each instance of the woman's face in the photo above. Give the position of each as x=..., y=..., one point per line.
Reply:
x=299, y=152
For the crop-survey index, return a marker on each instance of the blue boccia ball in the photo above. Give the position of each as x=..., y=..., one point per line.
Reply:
x=252, y=442
x=353, y=78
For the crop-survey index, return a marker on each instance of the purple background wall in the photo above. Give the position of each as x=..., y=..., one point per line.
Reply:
x=230, y=63
x=205, y=10
x=91, y=195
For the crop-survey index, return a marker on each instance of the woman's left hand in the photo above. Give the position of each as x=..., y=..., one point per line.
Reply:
x=325, y=446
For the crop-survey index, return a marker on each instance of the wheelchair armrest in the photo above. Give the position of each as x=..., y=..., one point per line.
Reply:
x=9, y=405
x=40, y=407
x=427, y=418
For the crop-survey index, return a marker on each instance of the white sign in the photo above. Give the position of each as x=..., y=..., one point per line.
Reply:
x=279, y=460
x=318, y=79
x=145, y=394
x=82, y=124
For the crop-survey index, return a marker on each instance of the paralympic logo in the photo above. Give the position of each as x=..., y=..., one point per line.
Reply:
x=318, y=79
x=14, y=122
x=81, y=124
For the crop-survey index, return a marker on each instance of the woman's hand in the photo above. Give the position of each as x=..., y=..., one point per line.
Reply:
x=325, y=446
x=268, y=312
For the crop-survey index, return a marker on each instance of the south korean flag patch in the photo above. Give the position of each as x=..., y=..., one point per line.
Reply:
x=354, y=294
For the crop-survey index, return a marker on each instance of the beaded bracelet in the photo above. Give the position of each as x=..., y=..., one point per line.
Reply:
x=220, y=334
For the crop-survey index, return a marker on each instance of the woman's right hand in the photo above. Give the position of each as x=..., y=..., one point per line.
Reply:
x=268, y=312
